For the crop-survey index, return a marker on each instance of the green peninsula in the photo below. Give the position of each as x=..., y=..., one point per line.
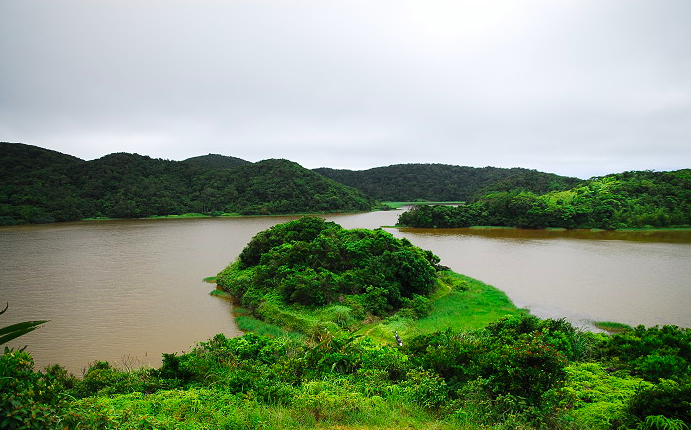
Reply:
x=310, y=275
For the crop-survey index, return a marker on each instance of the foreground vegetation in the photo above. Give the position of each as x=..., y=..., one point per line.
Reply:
x=626, y=200
x=332, y=300
x=519, y=372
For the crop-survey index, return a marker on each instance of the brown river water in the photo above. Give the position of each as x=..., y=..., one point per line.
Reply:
x=128, y=291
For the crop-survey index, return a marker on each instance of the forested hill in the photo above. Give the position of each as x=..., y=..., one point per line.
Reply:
x=19, y=160
x=216, y=161
x=40, y=185
x=441, y=182
x=637, y=199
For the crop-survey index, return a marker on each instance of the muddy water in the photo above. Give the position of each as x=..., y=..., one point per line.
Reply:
x=629, y=277
x=127, y=291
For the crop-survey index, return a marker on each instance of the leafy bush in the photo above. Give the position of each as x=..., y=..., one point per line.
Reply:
x=654, y=353
x=311, y=262
x=420, y=306
x=28, y=399
x=668, y=399
x=513, y=357
x=559, y=333
x=102, y=379
x=597, y=399
x=425, y=388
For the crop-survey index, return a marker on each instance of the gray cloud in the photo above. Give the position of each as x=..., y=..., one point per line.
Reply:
x=574, y=87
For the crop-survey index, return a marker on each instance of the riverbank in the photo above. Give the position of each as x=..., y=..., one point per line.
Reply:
x=398, y=205
x=218, y=215
x=458, y=303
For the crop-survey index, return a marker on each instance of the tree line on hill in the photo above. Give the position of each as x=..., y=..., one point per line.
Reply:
x=637, y=199
x=39, y=185
x=445, y=183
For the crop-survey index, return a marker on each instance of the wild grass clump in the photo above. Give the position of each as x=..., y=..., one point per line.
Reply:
x=247, y=323
x=612, y=327
x=458, y=302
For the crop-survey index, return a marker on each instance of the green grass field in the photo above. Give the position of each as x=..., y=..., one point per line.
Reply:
x=396, y=205
x=459, y=303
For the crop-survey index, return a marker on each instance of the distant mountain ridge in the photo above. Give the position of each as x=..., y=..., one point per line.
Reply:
x=442, y=182
x=40, y=185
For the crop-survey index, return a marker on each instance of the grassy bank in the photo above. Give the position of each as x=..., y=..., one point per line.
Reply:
x=612, y=327
x=458, y=303
x=396, y=205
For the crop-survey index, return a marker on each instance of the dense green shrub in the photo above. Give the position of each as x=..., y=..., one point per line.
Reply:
x=102, y=379
x=426, y=388
x=596, y=398
x=514, y=357
x=640, y=199
x=312, y=262
x=654, y=353
x=560, y=334
x=668, y=399
x=28, y=399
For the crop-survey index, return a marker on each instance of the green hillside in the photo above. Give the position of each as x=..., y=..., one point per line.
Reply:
x=39, y=186
x=639, y=199
x=440, y=182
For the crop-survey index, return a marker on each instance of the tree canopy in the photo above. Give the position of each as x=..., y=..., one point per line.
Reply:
x=216, y=161
x=39, y=185
x=440, y=182
x=638, y=199
x=313, y=262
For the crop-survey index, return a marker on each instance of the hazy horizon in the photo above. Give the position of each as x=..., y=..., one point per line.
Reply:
x=361, y=169
x=578, y=87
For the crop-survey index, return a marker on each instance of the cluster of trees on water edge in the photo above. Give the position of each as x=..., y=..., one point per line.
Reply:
x=641, y=199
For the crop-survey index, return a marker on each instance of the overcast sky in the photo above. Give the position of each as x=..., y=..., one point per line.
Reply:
x=575, y=87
